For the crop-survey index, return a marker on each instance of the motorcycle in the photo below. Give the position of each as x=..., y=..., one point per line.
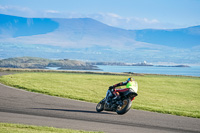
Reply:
x=121, y=105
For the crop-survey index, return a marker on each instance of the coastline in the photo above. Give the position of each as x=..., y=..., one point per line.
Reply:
x=104, y=72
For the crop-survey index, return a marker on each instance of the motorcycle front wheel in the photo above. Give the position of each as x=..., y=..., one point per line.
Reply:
x=125, y=107
x=100, y=106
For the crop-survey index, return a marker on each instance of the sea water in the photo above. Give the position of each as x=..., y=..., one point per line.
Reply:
x=186, y=71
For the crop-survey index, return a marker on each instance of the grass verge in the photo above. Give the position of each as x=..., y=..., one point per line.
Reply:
x=20, y=128
x=163, y=94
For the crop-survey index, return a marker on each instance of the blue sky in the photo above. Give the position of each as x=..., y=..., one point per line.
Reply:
x=128, y=14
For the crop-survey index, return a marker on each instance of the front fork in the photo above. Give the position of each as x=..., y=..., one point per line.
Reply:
x=108, y=95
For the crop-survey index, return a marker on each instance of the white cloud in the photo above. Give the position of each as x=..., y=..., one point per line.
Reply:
x=52, y=11
x=130, y=22
x=114, y=15
x=3, y=7
x=17, y=10
x=145, y=20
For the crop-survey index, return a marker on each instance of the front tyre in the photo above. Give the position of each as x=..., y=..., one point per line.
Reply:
x=125, y=107
x=100, y=106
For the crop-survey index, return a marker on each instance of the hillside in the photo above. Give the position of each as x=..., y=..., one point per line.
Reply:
x=181, y=38
x=87, y=32
x=90, y=40
x=41, y=63
x=12, y=26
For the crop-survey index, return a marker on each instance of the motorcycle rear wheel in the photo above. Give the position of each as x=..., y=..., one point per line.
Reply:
x=125, y=107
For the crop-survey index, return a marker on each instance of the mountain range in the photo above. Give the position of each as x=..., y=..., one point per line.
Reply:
x=90, y=40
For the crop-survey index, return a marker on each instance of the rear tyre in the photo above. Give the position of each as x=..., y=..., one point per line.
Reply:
x=125, y=107
x=100, y=106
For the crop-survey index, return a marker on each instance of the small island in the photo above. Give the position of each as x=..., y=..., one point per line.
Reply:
x=41, y=63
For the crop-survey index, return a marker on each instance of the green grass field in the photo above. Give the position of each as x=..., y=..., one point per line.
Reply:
x=19, y=128
x=163, y=94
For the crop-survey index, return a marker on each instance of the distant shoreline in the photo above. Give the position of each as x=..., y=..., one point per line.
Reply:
x=153, y=65
x=133, y=64
x=172, y=66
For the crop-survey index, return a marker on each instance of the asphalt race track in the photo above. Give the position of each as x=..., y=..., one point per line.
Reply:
x=19, y=106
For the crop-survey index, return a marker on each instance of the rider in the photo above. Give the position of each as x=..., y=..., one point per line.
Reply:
x=130, y=84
